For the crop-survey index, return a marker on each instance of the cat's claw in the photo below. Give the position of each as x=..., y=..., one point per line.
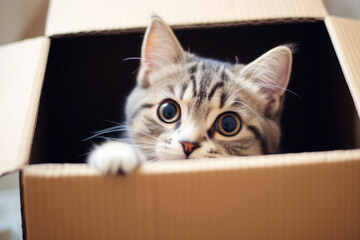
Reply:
x=115, y=157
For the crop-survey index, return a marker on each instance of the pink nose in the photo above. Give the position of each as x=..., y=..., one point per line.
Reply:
x=189, y=147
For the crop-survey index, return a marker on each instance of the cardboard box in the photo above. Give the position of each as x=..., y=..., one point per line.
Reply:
x=55, y=90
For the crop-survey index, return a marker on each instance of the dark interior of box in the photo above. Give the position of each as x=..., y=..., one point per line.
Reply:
x=87, y=81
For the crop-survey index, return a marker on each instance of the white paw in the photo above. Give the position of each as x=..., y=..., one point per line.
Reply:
x=114, y=157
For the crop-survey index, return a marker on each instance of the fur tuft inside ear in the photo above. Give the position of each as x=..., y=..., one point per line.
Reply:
x=160, y=48
x=271, y=73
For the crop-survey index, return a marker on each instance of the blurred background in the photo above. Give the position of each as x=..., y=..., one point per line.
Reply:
x=22, y=19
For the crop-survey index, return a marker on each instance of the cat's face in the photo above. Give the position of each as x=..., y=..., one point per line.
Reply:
x=185, y=106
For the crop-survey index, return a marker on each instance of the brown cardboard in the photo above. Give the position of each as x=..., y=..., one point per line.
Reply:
x=65, y=18
x=256, y=198
x=22, y=67
x=345, y=35
x=311, y=193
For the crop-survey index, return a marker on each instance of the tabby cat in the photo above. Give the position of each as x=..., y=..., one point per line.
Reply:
x=187, y=107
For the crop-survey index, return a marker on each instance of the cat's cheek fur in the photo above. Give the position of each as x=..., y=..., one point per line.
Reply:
x=115, y=157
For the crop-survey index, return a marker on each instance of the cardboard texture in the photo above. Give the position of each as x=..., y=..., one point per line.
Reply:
x=311, y=191
x=345, y=34
x=66, y=17
x=271, y=198
x=22, y=67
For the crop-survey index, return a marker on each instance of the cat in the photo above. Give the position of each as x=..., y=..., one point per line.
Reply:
x=187, y=107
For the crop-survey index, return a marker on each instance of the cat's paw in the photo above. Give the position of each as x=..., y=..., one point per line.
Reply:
x=115, y=157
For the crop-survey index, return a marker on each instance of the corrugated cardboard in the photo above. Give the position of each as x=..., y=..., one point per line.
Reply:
x=66, y=17
x=22, y=67
x=291, y=197
x=345, y=34
x=312, y=195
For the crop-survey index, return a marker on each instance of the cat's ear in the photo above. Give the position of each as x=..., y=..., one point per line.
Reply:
x=160, y=48
x=270, y=73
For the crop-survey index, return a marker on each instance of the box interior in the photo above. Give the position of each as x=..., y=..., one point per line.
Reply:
x=87, y=80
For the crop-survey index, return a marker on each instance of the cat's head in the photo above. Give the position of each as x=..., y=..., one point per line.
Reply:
x=185, y=106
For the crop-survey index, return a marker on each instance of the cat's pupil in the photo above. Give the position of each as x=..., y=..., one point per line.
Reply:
x=228, y=123
x=169, y=110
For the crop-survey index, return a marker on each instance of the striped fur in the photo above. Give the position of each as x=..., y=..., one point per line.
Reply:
x=204, y=89
x=203, y=94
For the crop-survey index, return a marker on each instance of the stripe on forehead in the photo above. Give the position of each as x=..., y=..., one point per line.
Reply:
x=204, y=83
x=224, y=76
x=192, y=72
x=193, y=68
x=171, y=89
x=223, y=98
x=214, y=88
x=184, y=86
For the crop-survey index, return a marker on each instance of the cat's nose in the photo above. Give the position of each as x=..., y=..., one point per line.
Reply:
x=189, y=147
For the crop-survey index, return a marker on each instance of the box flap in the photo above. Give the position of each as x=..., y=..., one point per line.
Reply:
x=293, y=196
x=22, y=67
x=345, y=35
x=67, y=16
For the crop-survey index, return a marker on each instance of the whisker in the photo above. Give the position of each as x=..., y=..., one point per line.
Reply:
x=132, y=58
x=118, y=128
x=250, y=108
x=278, y=87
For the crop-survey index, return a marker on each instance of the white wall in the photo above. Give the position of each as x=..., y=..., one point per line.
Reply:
x=21, y=19
x=344, y=8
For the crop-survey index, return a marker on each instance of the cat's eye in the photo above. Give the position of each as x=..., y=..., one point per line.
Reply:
x=169, y=111
x=228, y=124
